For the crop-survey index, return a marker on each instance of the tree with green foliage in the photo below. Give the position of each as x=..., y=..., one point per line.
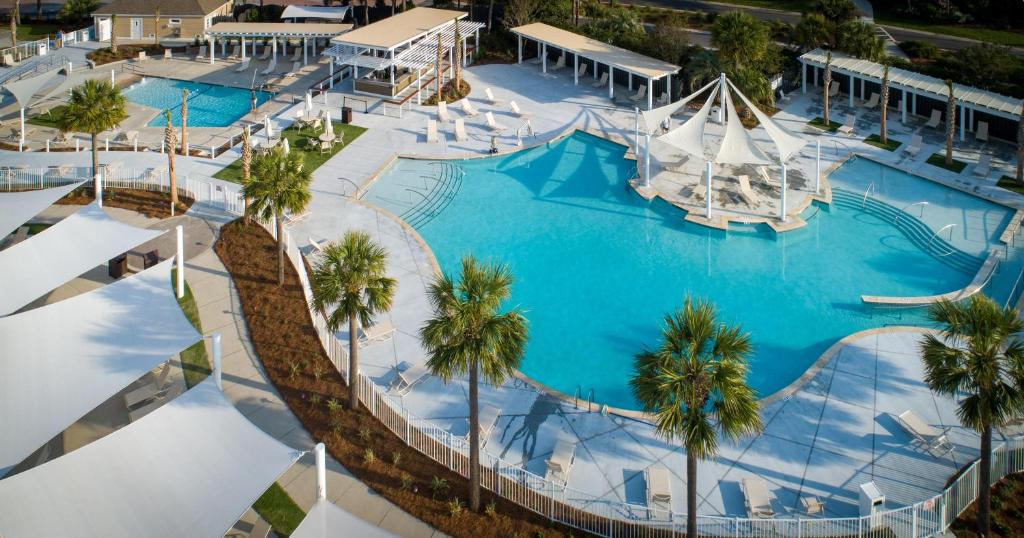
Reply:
x=521, y=12
x=950, y=121
x=468, y=334
x=694, y=386
x=350, y=277
x=457, y=54
x=667, y=42
x=977, y=358
x=813, y=31
x=246, y=170
x=837, y=11
x=14, y=34
x=858, y=39
x=740, y=39
x=94, y=106
x=156, y=25
x=702, y=68
x=279, y=183
x=76, y=10
x=752, y=83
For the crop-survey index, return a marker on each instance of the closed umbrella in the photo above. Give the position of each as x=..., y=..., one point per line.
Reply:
x=328, y=126
x=285, y=147
x=269, y=129
x=309, y=104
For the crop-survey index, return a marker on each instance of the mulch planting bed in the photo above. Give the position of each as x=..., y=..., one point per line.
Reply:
x=286, y=342
x=1007, y=511
x=151, y=204
x=124, y=52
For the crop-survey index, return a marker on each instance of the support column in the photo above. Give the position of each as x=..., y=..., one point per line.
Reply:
x=851, y=91
x=273, y=49
x=817, y=166
x=782, y=193
x=330, y=70
x=451, y=63
x=650, y=93
x=636, y=130
x=668, y=88
x=391, y=68
x=519, y=49
x=629, y=83
x=305, y=46
x=544, y=58
x=803, y=77
x=611, y=82
x=647, y=159
x=224, y=48
x=217, y=371
x=903, y=108
x=963, y=120
x=863, y=95
x=576, y=69
x=243, y=47
x=815, y=76
x=180, y=260
x=213, y=49
x=321, y=471
x=21, y=135
x=98, y=187
x=707, y=195
x=465, y=53
x=913, y=103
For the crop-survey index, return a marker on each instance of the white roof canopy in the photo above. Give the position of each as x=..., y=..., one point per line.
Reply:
x=400, y=29
x=599, y=51
x=63, y=251
x=984, y=100
x=190, y=468
x=421, y=54
x=17, y=207
x=785, y=142
x=737, y=146
x=689, y=136
x=61, y=360
x=315, y=12
x=326, y=520
x=654, y=118
x=276, y=29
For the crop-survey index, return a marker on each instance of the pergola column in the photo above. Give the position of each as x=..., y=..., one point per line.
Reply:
x=913, y=103
x=963, y=119
x=213, y=49
x=243, y=46
x=519, y=49
x=903, y=108
x=544, y=58
x=273, y=48
x=391, y=68
x=629, y=83
x=668, y=87
x=863, y=95
x=330, y=69
x=815, y=76
x=305, y=50
x=782, y=194
x=419, y=86
x=576, y=69
x=611, y=82
x=851, y=90
x=803, y=77
x=224, y=48
x=650, y=93
x=465, y=53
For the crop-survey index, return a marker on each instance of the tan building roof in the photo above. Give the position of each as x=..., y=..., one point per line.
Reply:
x=168, y=8
x=620, y=58
x=399, y=29
x=280, y=29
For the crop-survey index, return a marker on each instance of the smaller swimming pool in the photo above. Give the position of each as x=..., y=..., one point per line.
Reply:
x=209, y=105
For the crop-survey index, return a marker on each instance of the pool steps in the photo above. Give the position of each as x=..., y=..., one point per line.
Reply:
x=447, y=185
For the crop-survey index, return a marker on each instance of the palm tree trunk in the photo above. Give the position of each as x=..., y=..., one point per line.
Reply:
x=490, y=15
x=279, y=220
x=985, y=482
x=95, y=160
x=172, y=179
x=691, y=495
x=353, y=364
x=474, y=440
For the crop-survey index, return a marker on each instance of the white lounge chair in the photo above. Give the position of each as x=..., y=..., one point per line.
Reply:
x=872, y=102
x=408, y=378
x=746, y=192
x=662, y=99
x=559, y=63
x=561, y=460
x=914, y=146
x=487, y=419
x=833, y=89
x=515, y=110
x=982, y=132
x=167, y=54
x=640, y=94
x=297, y=55
x=460, y=130
x=243, y=65
x=601, y=81
x=659, y=487
x=202, y=53
x=491, y=98
x=757, y=498
x=935, y=120
x=984, y=166
x=8, y=59
x=468, y=109
x=380, y=331
x=762, y=172
x=442, y=112
x=536, y=59
x=582, y=70
x=266, y=52
x=142, y=56
x=317, y=245
x=930, y=438
x=431, y=131
x=269, y=68
x=494, y=126
x=848, y=124
x=234, y=52
x=294, y=72
x=149, y=390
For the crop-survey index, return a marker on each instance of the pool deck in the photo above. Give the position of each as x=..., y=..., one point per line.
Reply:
x=832, y=433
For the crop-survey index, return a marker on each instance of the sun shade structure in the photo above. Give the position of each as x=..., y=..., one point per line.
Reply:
x=62, y=360
x=654, y=118
x=23, y=90
x=315, y=12
x=326, y=520
x=65, y=250
x=190, y=468
x=276, y=29
x=401, y=29
x=17, y=207
x=689, y=136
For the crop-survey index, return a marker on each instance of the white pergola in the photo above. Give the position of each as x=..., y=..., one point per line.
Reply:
x=275, y=31
x=638, y=65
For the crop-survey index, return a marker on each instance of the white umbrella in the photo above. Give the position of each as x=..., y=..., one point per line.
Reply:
x=309, y=104
x=284, y=146
x=269, y=130
x=328, y=126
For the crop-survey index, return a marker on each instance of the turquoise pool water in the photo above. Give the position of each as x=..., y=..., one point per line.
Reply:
x=597, y=267
x=208, y=105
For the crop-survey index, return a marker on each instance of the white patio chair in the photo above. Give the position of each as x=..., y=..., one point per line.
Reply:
x=659, y=487
x=561, y=459
x=516, y=110
x=872, y=102
x=757, y=498
x=924, y=435
x=935, y=120
x=382, y=330
x=559, y=63
x=149, y=390
x=487, y=419
x=833, y=89
x=269, y=68
x=601, y=81
x=493, y=125
x=848, y=125
x=984, y=165
x=431, y=131
x=491, y=98
x=746, y=192
x=640, y=94
x=406, y=379
x=468, y=109
x=582, y=70
x=914, y=146
x=442, y=112
x=243, y=65
x=460, y=130
x=982, y=132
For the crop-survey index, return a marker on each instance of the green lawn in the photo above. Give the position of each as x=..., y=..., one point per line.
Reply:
x=49, y=118
x=194, y=361
x=819, y=122
x=1003, y=37
x=36, y=227
x=37, y=30
x=278, y=508
x=784, y=5
x=939, y=159
x=297, y=142
x=1010, y=183
x=891, y=144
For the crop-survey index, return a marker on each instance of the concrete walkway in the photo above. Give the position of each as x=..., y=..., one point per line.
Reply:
x=247, y=386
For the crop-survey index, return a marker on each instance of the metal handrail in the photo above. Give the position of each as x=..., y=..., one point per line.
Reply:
x=940, y=230
x=908, y=206
x=868, y=191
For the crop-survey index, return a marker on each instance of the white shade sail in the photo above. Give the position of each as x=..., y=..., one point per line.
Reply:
x=326, y=520
x=65, y=250
x=737, y=146
x=786, y=143
x=16, y=208
x=654, y=118
x=24, y=89
x=689, y=136
x=190, y=468
x=61, y=360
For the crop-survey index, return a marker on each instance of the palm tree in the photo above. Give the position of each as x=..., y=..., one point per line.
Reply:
x=883, y=134
x=828, y=82
x=113, y=33
x=468, y=334
x=813, y=31
x=752, y=83
x=184, y=121
x=14, y=32
x=169, y=142
x=950, y=122
x=351, y=276
x=458, y=58
x=695, y=383
x=246, y=169
x=437, y=67
x=702, y=68
x=366, y=12
x=976, y=356
x=156, y=26
x=490, y=14
x=279, y=183
x=858, y=39
x=740, y=38
x=94, y=106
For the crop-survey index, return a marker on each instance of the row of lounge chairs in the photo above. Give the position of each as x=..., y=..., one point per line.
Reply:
x=470, y=111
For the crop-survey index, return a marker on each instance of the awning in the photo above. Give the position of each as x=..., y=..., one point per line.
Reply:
x=190, y=468
x=62, y=360
x=16, y=208
x=326, y=520
x=65, y=250
x=276, y=29
x=315, y=12
x=401, y=29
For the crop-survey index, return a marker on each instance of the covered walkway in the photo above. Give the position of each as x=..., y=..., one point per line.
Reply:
x=308, y=33
x=599, y=53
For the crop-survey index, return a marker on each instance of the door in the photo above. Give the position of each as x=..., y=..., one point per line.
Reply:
x=136, y=28
x=103, y=30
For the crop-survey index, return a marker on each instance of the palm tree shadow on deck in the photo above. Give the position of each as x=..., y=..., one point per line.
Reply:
x=543, y=407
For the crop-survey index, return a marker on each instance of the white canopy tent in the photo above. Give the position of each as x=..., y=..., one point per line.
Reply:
x=67, y=249
x=62, y=360
x=17, y=207
x=190, y=468
x=314, y=12
x=23, y=90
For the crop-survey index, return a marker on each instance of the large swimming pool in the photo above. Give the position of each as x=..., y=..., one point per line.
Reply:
x=209, y=105
x=597, y=266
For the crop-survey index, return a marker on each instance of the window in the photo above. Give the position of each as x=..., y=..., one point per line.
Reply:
x=174, y=22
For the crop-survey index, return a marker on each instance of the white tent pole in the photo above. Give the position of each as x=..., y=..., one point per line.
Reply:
x=817, y=167
x=544, y=57
x=21, y=135
x=707, y=196
x=321, y=471
x=611, y=82
x=576, y=69
x=782, y=200
x=180, y=261
x=647, y=159
x=217, y=373
x=636, y=128
x=111, y=77
x=721, y=98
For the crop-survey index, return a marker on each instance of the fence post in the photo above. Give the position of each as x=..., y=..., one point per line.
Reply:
x=106, y=144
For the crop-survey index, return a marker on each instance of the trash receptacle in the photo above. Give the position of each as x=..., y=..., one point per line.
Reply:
x=117, y=266
x=346, y=114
